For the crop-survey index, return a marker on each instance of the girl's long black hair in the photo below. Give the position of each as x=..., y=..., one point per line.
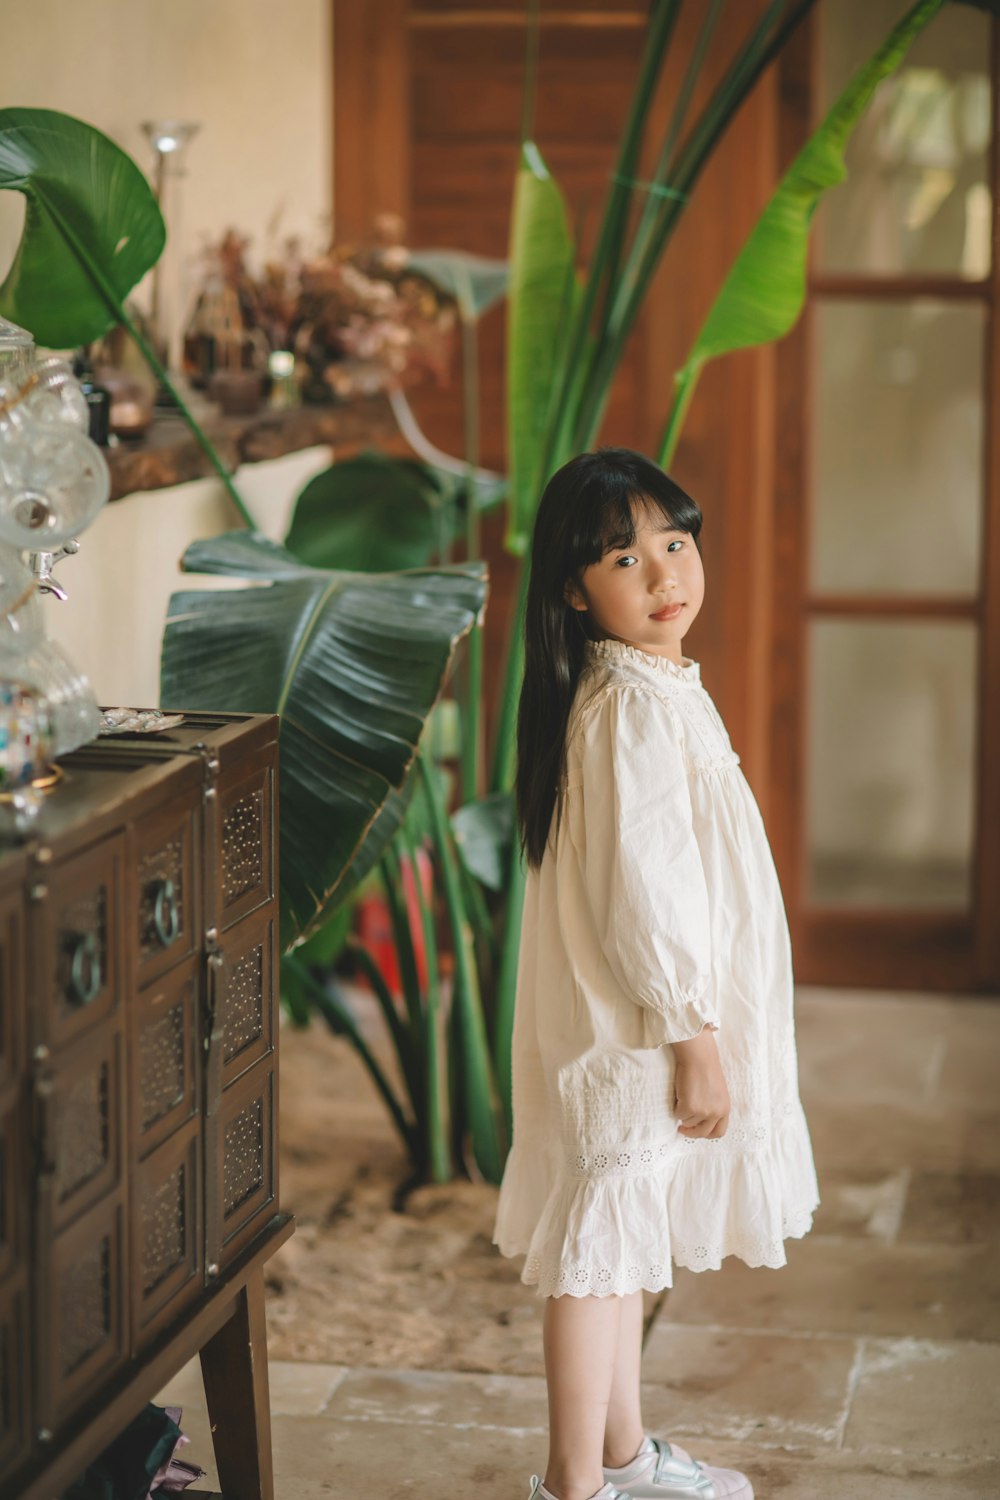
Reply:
x=588, y=506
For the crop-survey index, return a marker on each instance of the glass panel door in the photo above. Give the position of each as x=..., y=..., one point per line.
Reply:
x=897, y=412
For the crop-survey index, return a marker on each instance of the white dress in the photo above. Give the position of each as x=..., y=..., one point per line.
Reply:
x=656, y=909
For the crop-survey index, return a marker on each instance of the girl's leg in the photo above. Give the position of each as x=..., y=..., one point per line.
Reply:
x=624, y=1432
x=580, y=1336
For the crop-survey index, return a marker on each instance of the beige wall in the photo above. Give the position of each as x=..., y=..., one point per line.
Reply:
x=257, y=76
x=120, y=581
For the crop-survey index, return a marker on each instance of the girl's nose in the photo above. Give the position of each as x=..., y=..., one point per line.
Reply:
x=662, y=576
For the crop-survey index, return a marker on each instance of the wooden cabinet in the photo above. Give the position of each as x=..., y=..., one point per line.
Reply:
x=138, y=1091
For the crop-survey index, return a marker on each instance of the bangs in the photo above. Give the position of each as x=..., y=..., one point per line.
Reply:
x=610, y=501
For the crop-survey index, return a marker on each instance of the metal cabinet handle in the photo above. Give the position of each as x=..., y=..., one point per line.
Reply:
x=166, y=912
x=85, y=977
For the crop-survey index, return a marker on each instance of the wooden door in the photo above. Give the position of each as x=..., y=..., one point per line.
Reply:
x=427, y=111
x=886, y=805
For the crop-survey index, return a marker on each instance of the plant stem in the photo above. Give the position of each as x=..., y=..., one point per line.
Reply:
x=615, y=217
x=503, y=1027
x=471, y=714
x=750, y=62
x=117, y=308
x=683, y=392
x=402, y=1041
x=477, y=1081
x=435, y=1124
x=505, y=751
x=342, y=1023
x=471, y=709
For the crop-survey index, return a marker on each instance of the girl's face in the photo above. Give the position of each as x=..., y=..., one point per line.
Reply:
x=646, y=595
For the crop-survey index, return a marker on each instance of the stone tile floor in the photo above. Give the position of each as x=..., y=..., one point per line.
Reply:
x=868, y=1369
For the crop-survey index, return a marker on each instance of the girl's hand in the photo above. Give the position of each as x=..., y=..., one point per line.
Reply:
x=701, y=1101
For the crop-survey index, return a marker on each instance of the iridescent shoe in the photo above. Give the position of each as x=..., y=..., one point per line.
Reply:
x=606, y=1492
x=662, y=1471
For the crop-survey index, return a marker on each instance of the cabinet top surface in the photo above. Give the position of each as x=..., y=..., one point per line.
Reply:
x=110, y=777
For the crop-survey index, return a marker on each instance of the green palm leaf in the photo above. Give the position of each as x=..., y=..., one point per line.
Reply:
x=353, y=663
x=92, y=228
x=763, y=294
x=543, y=290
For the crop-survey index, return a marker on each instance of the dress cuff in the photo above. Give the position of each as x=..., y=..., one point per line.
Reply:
x=679, y=1024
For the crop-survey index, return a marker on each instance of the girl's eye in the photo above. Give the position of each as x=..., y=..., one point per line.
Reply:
x=677, y=543
x=624, y=562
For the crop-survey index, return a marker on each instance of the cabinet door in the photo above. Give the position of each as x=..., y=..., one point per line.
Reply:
x=80, y=1311
x=167, y=1242
x=80, y=1315
x=81, y=1095
x=165, y=1046
x=16, y=1376
x=247, y=1139
x=246, y=994
x=164, y=901
x=13, y=1103
x=77, y=943
x=245, y=841
x=15, y=1373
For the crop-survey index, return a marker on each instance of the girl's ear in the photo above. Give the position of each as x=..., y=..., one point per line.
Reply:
x=573, y=596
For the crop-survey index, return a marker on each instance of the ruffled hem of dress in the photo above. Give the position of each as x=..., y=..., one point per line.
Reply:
x=594, y=1235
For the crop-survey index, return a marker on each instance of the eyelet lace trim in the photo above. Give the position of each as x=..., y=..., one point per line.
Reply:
x=655, y=1275
x=639, y=1159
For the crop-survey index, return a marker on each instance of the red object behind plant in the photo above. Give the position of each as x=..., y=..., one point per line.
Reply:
x=374, y=926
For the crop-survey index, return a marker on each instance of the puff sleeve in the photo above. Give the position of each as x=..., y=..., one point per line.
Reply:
x=642, y=867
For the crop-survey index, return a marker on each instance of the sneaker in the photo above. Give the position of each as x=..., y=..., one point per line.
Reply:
x=662, y=1471
x=606, y=1492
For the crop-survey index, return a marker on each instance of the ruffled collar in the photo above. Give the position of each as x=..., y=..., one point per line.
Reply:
x=612, y=650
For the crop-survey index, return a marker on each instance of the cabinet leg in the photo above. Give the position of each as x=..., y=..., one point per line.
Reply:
x=234, y=1369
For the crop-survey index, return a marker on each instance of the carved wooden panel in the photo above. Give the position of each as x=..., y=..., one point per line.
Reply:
x=12, y=1187
x=80, y=1307
x=12, y=987
x=15, y=1372
x=246, y=840
x=246, y=994
x=246, y=1155
x=78, y=944
x=165, y=898
x=167, y=1244
x=82, y=1134
x=166, y=1055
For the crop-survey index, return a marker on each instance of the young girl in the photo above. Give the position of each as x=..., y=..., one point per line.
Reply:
x=656, y=1109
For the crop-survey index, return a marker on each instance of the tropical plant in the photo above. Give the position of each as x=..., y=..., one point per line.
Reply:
x=566, y=336
x=347, y=715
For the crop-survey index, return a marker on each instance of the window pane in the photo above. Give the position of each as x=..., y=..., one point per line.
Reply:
x=898, y=456
x=891, y=741
x=917, y=197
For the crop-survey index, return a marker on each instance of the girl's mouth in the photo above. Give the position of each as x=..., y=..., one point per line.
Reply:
x=669, y=613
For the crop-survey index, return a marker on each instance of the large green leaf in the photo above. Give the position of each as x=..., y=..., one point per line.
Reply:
x=370, y=514
x=543, y=291
x=484, y=833
x=375, y=513
x=92, y=228
x=763, y=294
x=475, y=282
x=353, y=663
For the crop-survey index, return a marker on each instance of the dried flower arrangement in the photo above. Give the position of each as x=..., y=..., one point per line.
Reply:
x=358, y=318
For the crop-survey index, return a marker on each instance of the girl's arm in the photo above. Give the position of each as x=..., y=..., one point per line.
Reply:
x=641, y=862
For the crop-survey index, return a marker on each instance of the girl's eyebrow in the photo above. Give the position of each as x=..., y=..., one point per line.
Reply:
x=621, y=543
